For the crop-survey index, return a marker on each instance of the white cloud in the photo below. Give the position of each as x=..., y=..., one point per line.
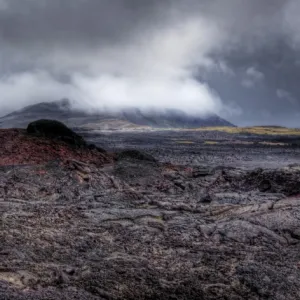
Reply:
x=155, y=70
x=109, y=92
x=29, y=88
x=247, y=83
x=283, y=94
x=253, y=76
x=154, y=65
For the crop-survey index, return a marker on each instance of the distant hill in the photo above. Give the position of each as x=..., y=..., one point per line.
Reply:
x=125, y=119
x=172, y=118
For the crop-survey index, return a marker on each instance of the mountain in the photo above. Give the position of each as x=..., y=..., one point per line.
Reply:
x=173, y=118
x=130, y=118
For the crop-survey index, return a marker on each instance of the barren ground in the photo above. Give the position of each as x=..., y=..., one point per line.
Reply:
x=207, y=148
x=218, y=217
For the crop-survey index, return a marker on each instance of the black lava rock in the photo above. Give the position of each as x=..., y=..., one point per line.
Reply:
x=55, y=130
x=135, y=155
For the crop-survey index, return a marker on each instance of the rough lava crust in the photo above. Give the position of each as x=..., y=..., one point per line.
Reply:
x=76, y=223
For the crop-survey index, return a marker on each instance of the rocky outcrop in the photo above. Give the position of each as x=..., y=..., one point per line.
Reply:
x=55, y=130
x=20, y=148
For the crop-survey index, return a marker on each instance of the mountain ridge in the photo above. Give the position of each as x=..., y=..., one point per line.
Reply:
x=130, y=117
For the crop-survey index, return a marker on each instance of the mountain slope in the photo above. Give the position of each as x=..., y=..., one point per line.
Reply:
x=172, y=118
x=126, y=118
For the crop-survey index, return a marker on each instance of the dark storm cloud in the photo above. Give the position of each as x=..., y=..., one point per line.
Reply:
x=270, y=94
x=79, y=21
x=131, y=52
x=59, y=21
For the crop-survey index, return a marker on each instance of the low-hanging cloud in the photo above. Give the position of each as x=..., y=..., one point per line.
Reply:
x=199, y=56
x=109, y=92
x=151, y=71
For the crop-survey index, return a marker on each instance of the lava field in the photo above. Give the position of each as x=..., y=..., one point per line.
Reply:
x=180, y=215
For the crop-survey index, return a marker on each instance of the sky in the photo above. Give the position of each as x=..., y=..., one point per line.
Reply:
x=237, y=58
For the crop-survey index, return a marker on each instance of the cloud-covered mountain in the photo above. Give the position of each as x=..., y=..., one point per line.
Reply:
x=122, y=119
x=237, y=58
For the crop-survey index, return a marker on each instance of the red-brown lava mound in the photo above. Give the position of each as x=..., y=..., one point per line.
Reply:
x=19, y=148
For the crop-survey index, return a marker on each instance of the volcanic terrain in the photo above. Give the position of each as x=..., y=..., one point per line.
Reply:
x=159, y=215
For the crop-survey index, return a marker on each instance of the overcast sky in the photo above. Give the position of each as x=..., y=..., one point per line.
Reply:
x=237, y=58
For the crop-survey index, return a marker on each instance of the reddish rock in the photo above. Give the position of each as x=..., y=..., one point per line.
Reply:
x=19, y=148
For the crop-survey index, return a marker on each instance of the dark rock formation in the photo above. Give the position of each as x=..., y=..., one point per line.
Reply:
x=136, y=155
x=55, y=130
x=20, y=148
